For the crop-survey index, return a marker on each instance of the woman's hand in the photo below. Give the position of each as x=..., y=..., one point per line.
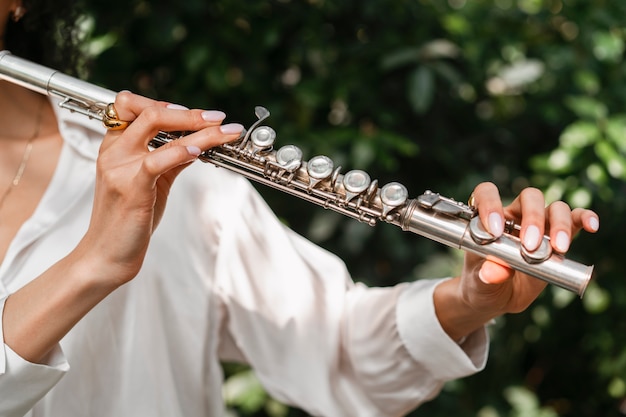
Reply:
x=486, y=289
x=132, y=183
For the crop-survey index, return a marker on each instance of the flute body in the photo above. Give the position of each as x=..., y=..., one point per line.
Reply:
x=317, y=180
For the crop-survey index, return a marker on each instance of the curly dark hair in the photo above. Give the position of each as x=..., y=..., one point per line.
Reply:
x=48, y=33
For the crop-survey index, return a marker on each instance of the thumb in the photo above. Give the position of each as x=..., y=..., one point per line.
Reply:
x=493, y=273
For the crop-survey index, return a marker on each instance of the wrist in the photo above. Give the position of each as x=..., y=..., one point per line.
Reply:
x=99, y=271
x=38, y=315
x=457, y=316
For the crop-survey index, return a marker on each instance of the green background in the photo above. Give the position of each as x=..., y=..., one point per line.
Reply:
x=436, y=95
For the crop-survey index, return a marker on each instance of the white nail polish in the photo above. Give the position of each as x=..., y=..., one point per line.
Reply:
x=496, y=225
x=213, y=115
x=594, y=224
x=194, y=150
x=231, y=128
x=531, y=237
x=176, y=107
x=480, y=276
x=562, y=242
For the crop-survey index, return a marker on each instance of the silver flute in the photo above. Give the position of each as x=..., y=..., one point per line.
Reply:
x=317, y=180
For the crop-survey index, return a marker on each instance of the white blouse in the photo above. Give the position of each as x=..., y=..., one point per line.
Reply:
x=223, y=280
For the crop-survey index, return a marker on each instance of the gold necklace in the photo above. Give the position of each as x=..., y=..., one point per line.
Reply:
x=25, y=157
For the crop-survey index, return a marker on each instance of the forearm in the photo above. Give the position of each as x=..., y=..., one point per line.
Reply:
x=38, y=315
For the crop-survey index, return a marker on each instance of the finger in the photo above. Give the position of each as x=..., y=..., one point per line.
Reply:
x=489, y=205
x=156, y=118
x=150, y=116
x=493, y=273
x=585, y=219
x=208, y=137
x=530, y=207
x=129, y=106
x=187, y=149
x=560, y=223
x=156, y=164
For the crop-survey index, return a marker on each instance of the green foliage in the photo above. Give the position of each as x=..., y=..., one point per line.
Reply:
x=437, y=95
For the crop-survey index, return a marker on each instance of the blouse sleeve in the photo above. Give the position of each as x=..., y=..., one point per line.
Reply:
x=319, y=341
x=23, y=383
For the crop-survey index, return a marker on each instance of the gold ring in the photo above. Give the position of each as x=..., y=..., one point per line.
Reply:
x=471, y=201
x=111, y=121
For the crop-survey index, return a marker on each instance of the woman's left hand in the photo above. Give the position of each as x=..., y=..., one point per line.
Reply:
x=486, y=289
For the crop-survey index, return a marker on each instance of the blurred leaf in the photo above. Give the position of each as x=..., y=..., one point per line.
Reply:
x=521, y=73
x=437, y=49
x=616, y=131
x=244, y=390
x=561, y=297
x=608, y=46
x=587, y=81
x=614, y=162
x=560, y=160
x=596, y=299
x=456, y=24
x=579, y=134
x=580, y=197
x=586, y=107
x=400, y=57
x=530, y=6
x=597, y=174
x=447, y=71
x=617, y=388
x=421, y=89
x=521, y=399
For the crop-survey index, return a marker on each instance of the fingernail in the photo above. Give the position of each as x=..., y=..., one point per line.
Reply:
x=531, y=237
x=231, y=128
x=480, y=276
x=594, y=224
x=213, y=115
x=194, y=150
x=496, y=225
x=562, y=241
x=176, y=107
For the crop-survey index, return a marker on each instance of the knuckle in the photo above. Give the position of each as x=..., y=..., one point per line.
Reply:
x=124, y=98
x=485, y=187
x=561, y=206
x=194, y=121
x=533, y=201
x=108, y=177
x=151, y=115
x=199, y=122
x=149, y=166
x=111, y=181
x=532, y=193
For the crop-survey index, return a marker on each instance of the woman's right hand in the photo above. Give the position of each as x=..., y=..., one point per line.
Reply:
x=132, y=182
